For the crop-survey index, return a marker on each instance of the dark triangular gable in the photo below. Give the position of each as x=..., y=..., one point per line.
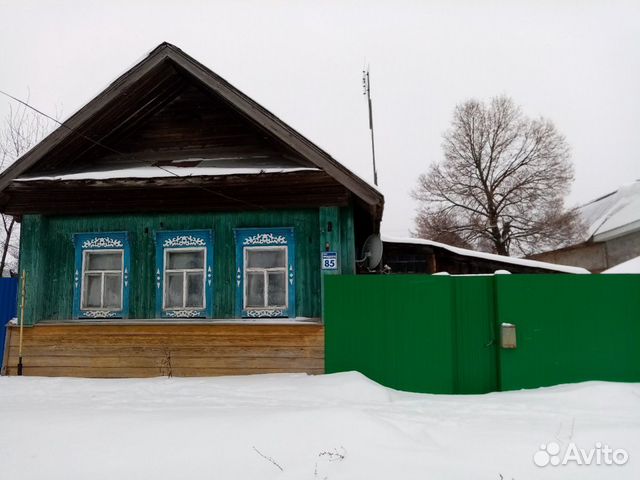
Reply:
x=137, y=102
x=187, y=122
x=199, y=123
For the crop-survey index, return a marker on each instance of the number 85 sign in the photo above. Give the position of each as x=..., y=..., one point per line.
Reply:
x=329, y=261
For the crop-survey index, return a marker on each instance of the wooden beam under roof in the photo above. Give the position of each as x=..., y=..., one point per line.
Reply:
x=305, y=189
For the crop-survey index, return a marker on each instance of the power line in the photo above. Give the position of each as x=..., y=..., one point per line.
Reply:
x=113, y=150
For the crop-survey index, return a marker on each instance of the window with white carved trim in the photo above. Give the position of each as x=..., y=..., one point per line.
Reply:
x=265, y=272
x=184, y=274
x=102, y=275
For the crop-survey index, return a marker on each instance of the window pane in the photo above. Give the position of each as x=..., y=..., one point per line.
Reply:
x=194, y=290
x=178, y=260
x=112, y=286
x=92, y=291
x=266, y=258
x=255, y=289
x=104, y=261
x=173, y=290
x=277, y=289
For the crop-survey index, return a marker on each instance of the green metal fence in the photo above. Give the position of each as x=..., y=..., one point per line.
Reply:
x=441, y=334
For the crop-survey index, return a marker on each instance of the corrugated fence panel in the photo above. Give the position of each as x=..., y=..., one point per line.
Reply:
x=441, y=334
x=397, y=330
x=8, y=304
x=476, y=334
x=570, y=329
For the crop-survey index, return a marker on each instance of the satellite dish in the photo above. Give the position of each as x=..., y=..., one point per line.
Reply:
x=371, y=252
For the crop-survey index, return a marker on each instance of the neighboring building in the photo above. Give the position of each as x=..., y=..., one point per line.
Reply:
x=612, y=232
x=174, y=226
x=417, y=255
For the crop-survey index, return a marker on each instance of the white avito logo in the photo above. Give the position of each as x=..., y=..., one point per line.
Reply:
x=549, y=454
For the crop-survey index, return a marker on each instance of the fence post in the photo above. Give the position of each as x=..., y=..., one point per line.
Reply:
x=495, y=325
x=8, y=310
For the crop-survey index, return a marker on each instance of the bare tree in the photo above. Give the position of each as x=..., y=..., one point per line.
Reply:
x=502, y=184
x=21, y=129
x=440, y=227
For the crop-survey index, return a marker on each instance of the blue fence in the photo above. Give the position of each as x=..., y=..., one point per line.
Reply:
x=8, y=307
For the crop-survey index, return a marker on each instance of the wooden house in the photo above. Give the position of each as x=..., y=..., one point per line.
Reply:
x=173, y=226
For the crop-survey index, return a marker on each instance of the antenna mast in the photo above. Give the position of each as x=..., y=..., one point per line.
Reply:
x=366, y=84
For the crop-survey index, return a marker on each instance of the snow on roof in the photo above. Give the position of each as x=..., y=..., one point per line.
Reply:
x=614, y=214
x=151, y=171
x=487, y=256
x=630, y=266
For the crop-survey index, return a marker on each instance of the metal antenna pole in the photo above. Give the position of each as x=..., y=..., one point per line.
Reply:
x=366, y=83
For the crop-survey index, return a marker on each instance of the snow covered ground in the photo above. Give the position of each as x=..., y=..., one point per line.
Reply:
x=293, y=426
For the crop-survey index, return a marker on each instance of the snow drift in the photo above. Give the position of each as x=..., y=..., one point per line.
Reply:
x=293, y=426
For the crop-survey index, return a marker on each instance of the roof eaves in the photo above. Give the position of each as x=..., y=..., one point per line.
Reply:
x=617, y=232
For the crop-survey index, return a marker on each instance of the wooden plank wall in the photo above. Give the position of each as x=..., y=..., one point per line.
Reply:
x=47, y=255
x=118, y=351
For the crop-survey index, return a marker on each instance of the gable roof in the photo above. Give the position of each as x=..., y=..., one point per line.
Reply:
x=165, y=53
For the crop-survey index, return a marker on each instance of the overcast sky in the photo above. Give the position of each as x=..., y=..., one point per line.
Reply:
x=576, y=63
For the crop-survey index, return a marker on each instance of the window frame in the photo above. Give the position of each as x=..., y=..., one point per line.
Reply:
x=185, y=241
x=266, y=272
x=85, y=273
x=100, y=242
x=184, y=272
x=267, y=238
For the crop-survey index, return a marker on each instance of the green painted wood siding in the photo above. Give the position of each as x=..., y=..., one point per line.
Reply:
x=47, y=255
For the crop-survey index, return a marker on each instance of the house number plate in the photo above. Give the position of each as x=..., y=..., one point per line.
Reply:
x=329, y=260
